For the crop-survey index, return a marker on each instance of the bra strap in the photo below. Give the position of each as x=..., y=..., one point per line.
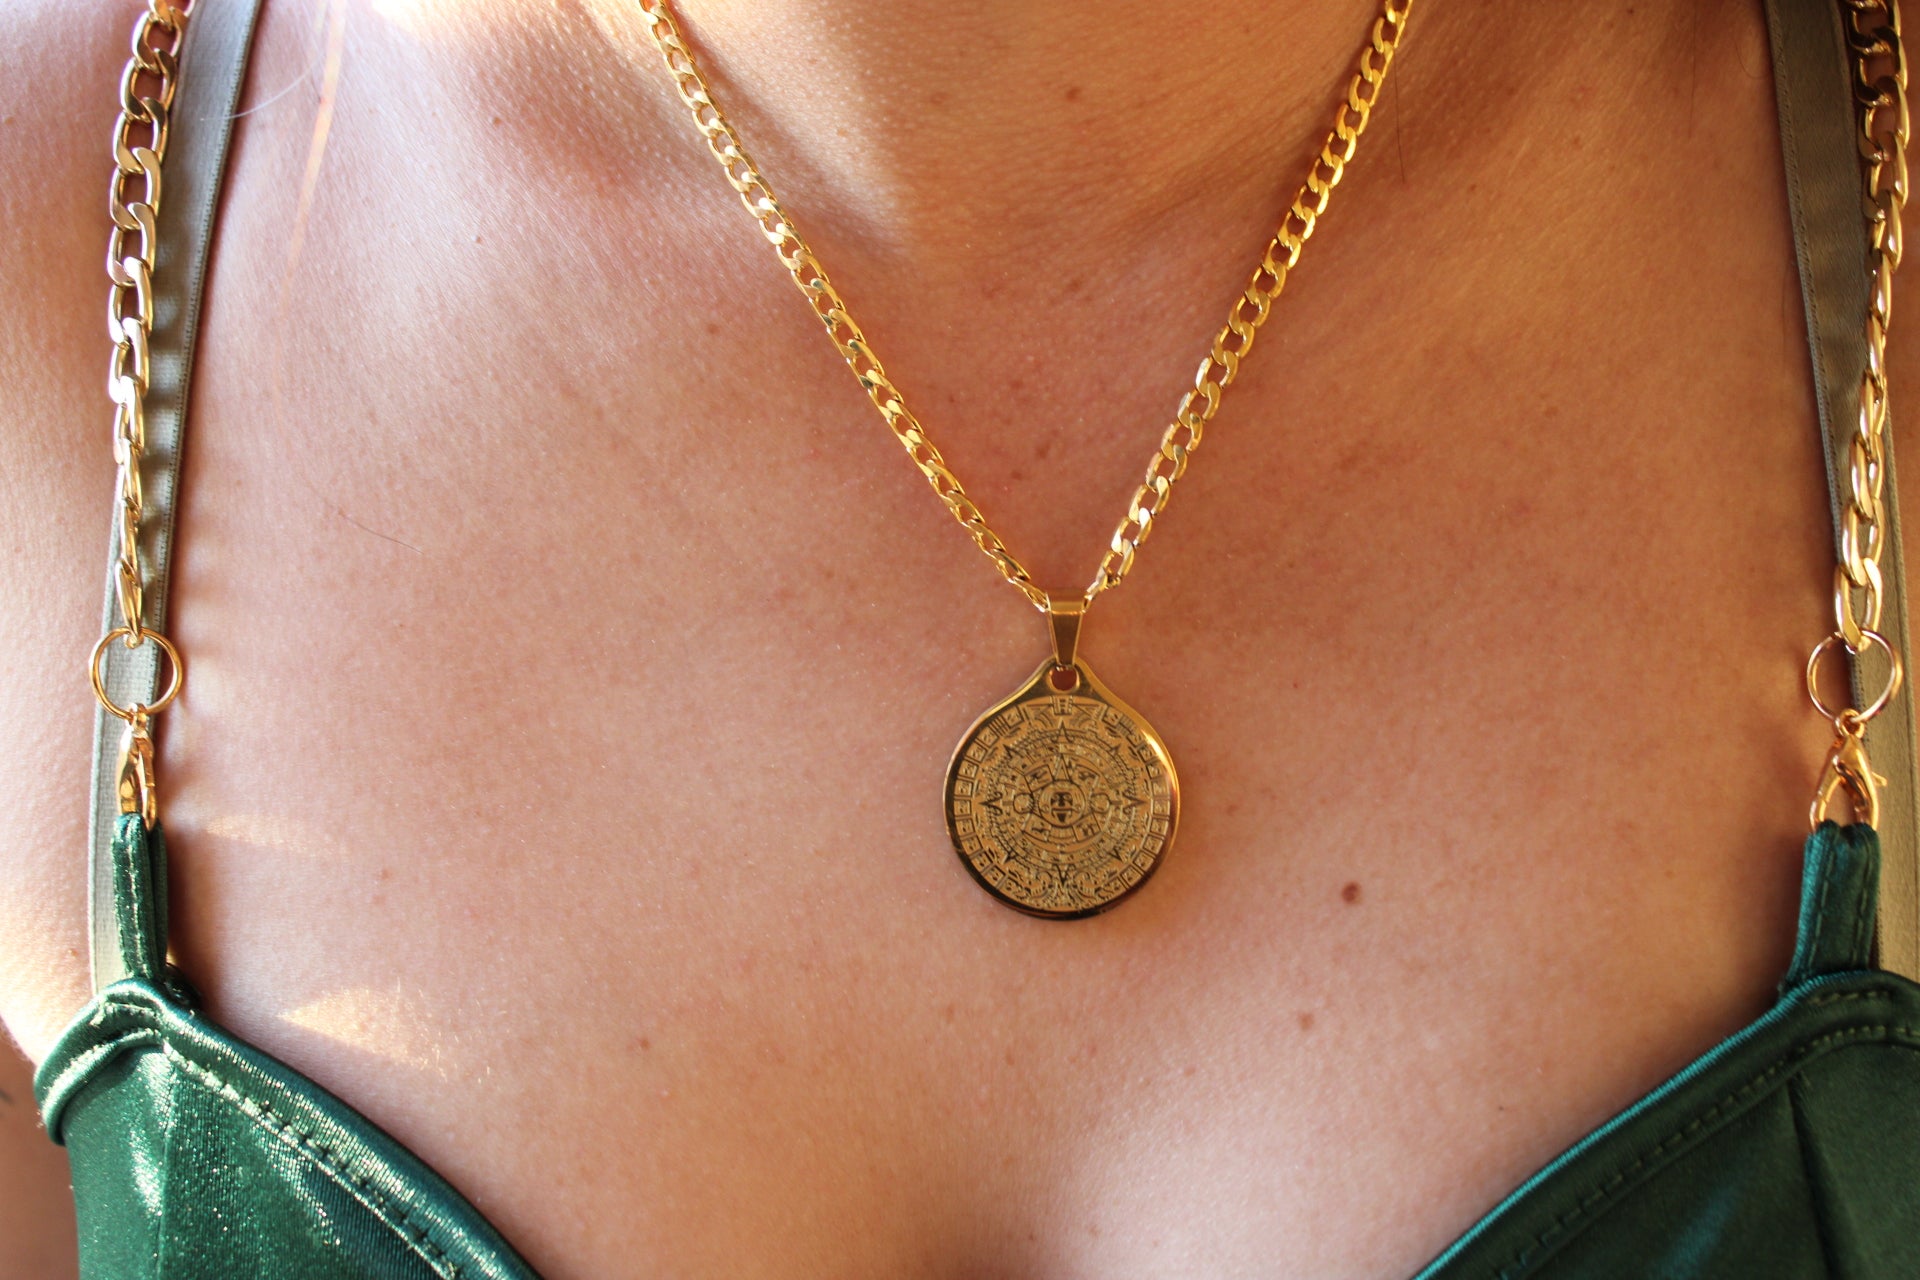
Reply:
x=1836, y=904
x=139, y=889
x=213, y=59
x=1819, y=131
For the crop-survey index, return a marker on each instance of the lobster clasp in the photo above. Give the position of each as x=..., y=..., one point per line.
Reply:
x=136, y=787
x=1849, y=767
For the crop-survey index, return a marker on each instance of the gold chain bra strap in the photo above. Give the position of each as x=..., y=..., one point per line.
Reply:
x=1217, y=370
x=177, y=98
x=139, y=146
x=1859, y=585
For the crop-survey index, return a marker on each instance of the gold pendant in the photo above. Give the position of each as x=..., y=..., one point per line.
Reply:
x=1061, y=800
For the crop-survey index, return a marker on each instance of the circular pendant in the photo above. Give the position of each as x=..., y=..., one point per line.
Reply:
x=1061, y=801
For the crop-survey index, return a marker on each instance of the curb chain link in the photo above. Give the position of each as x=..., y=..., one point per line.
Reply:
x=1250, y=311
x=1217, y=370
x=133, y=202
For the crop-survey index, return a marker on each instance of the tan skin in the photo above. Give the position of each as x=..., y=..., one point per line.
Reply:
x=575, y=658
x=36, y=1206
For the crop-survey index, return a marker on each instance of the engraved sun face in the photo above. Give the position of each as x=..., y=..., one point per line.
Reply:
x=1067, y=789
x=1057, y=795
x=1061, y=803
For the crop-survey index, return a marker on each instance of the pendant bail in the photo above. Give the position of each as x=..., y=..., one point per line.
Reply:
x=1063, y=618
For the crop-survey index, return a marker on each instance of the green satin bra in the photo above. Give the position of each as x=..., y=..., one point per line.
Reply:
x=1790, y=1150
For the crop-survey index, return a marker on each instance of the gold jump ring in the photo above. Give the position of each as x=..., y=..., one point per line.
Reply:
x=177, y=668
x=1879, y=704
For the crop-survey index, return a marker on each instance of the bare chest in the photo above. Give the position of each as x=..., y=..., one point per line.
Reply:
x=577, y=660
x=577, y=663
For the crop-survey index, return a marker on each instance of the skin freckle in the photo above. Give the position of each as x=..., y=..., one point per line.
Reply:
x=1350, y=894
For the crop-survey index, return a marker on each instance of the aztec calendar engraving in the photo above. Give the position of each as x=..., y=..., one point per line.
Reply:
x=1061, y=804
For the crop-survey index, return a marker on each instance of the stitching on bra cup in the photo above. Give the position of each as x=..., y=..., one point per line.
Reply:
x=398, y=1218
x=82, y=1065
x=1798, y=1055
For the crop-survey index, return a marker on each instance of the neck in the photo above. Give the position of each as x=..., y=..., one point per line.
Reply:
x=929, y=121
x=918, y=126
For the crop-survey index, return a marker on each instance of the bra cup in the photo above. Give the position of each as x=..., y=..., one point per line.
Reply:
x=196, y=1157
x=1791, y=1149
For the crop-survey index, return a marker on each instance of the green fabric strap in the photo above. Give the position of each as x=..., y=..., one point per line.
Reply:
x=1838, y=888
x=1818, y=130
x=140, y=898
x=213, y=63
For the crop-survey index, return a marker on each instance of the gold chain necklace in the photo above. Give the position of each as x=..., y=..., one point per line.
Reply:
x=1061, y=799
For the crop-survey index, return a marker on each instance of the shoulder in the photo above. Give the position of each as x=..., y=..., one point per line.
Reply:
x=59, y=74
